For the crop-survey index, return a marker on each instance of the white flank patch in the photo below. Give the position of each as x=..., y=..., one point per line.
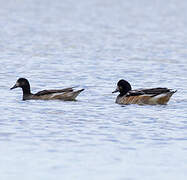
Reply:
x=160, y=96
x=55, y=94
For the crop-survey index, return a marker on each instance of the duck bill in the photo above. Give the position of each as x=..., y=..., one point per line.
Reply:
x=117, y=90
x=15, y=86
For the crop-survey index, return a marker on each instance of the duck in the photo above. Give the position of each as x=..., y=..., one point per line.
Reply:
x=67, y=94
x=151, y=96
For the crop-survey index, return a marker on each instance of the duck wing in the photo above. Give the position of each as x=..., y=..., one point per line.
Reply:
x=52, y=91
x=152, y=91
x=156, y=91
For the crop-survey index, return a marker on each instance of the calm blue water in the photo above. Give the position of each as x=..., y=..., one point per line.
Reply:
x=93, y=44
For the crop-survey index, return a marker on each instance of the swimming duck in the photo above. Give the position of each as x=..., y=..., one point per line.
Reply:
x=67, y=94
x=141, y=96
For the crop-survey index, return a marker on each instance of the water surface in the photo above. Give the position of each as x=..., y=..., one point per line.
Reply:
x=93, y=44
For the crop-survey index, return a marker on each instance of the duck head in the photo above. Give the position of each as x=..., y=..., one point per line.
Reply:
x=123, y=87
x=24, y=84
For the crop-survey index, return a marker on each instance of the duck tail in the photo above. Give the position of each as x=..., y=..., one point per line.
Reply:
x=76, y=93
x=164, y=98
x=173, y=91
x=79, y=91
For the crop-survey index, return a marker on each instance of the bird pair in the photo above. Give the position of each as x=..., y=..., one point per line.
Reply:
x=127, y=95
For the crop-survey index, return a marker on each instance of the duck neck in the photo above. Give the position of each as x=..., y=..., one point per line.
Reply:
x=26, y=89
x=122, y=93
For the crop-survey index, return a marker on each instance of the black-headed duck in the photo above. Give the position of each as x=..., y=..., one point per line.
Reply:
x=151, y=96
x=67, y=94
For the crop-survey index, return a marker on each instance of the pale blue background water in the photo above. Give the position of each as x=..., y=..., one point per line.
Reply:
x=93, y=44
